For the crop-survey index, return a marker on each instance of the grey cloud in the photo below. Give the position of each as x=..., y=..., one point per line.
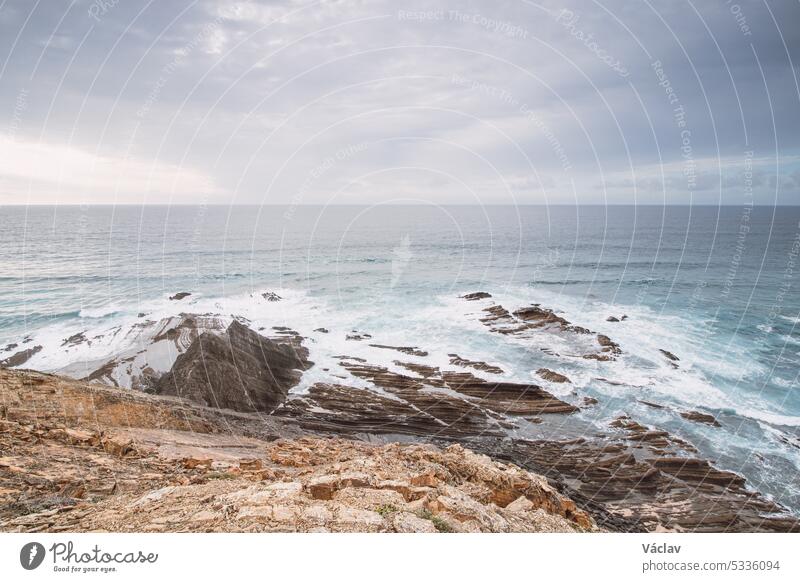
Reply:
x=252, y=96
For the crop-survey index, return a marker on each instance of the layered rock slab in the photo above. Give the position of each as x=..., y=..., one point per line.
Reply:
x=240, y=370
x=181, y=469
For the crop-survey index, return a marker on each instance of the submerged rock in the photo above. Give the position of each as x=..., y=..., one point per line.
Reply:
x=531, y=321
x=476, y=296
x=669, y=355
x=701, y=417
x=179, y=296
x=20, y=357
x=410, y=350
x=552, y=376
x=74, y=339
x=457, y=360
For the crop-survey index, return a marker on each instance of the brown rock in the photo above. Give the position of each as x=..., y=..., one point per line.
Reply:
x=701, y=417
x=250, y=465
x=325, y=487
x=116, y=445
x=457, y=360
x=192, y=463
x=476, y=296
x=410, y=350
x=552, y=376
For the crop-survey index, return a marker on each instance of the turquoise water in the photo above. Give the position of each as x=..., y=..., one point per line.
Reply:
x=716, y=286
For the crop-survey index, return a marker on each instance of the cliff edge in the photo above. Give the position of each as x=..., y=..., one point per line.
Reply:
x=84, y=457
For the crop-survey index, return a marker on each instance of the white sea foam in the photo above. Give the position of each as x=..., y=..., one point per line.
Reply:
x=442, y=326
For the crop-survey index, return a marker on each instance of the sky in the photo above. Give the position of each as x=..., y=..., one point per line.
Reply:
x=371, y=102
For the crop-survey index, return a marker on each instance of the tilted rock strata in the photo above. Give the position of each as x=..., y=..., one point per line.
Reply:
x=180, y=470
x=629, y=476
x=20, y=357
x=241, y=370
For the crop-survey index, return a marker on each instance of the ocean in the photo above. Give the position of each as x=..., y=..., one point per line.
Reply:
x=715, y=286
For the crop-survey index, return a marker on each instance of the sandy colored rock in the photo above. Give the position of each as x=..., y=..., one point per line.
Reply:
x=83, y=457
x=99, y=474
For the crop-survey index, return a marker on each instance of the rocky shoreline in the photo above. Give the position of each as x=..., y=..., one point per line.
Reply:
x=207, y=374
x=82, y=457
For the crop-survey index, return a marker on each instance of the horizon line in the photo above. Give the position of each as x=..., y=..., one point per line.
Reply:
x=538, y=205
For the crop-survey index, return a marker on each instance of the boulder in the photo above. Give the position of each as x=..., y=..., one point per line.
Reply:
x=240, y=370
x=405, y=522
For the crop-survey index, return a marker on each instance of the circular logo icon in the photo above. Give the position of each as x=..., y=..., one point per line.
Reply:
x=31, y=555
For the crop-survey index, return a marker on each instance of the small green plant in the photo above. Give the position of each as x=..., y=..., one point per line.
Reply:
x=220, y=475
x=386, y=510
x=440, y=524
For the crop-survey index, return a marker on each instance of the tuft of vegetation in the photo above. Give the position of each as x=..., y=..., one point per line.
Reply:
x=220, y=475
x=441, y=525
x=386, y=510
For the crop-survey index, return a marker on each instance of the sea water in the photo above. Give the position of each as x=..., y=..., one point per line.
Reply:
x=718, y=287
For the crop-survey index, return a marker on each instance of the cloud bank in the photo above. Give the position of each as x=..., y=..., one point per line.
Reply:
x=357, y=102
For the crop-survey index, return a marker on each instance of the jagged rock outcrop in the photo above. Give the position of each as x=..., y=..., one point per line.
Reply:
x=80, y=456
x=457, y=360
x=241, y=370
x=533, y=321
x=626, y=475
x=144, y=463
x=20, y=357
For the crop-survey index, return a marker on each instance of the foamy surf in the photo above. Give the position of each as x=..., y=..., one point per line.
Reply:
x=702, y=377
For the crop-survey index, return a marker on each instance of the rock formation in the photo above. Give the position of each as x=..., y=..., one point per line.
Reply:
x=179, y=296
x=552, y=376
x=240, y=370
x=137, y=462
x=20, y=357
x=228, y=445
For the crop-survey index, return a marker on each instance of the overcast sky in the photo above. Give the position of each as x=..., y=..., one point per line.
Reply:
x=359, y=102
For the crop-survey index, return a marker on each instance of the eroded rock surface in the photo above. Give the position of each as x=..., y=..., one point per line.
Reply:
x=180, y=467
x=627, y=476
x=240, y=370
x=20, y=357
x=533, y=320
